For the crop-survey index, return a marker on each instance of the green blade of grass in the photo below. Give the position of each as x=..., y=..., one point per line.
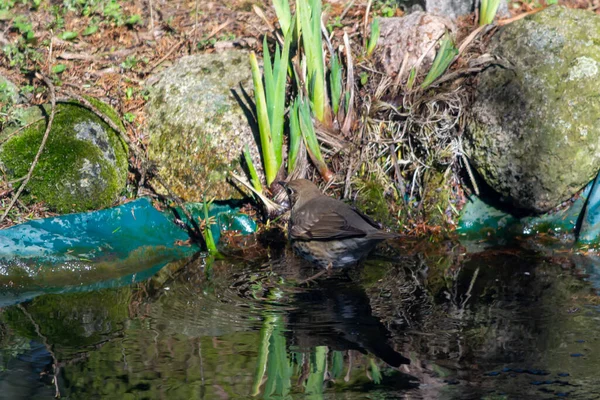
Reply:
x=335, y=83
x=309, y=15
x=252, y=170
x=310, y=139
x=375, y=31
x=211, y=246
x=284, y=16
x=270, y=164
x=487, y=11
x=442, y=61
x=280, y=70
x=295, y=137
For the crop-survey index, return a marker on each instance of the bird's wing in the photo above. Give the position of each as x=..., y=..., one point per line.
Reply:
x=368, y=219
x=330, y=226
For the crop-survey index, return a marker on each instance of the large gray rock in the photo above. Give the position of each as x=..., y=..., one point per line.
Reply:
x=197, y=127
x=534, y=135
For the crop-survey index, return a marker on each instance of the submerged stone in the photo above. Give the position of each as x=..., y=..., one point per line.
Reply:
x=197, y=127
x=84, y=162
x=534, y=136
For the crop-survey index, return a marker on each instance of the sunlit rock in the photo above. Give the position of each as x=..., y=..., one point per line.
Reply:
x=197, y=127
x=534, y=136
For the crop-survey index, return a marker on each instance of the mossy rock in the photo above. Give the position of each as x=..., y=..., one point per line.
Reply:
x=534, y=134
x=83, y=165
x=197, y=127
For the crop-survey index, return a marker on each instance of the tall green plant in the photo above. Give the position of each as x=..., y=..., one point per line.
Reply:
x=270, y=104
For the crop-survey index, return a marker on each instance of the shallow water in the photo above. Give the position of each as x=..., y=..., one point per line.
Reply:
x=439, y=323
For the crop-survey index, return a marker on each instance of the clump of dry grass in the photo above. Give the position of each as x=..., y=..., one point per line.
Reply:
x=409, y=133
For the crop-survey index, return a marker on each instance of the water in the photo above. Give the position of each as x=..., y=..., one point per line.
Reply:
x=504, y=323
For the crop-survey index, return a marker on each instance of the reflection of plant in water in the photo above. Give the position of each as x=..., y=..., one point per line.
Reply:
x=277, y=367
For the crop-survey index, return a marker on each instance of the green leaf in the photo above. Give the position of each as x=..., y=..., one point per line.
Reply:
x=262, y=115
x=295, y=136
x=133, y=20
x=68, y=35
x=487, y=11
x=309, y=16
x=335, y=83
x=58, y=68
x=253, y=174
x=284, y=16
x=90, y=30
x=375, y=31
x=444, y=57
x=129, y=117
x=310, y=139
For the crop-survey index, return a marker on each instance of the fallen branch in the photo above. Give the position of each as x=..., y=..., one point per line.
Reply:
x=50, y=86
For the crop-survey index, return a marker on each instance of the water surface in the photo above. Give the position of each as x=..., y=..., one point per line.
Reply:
x=419, y=322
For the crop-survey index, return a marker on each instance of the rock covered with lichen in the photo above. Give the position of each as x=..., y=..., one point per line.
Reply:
x=534, y=136
x=84, y=162
x=197, y=126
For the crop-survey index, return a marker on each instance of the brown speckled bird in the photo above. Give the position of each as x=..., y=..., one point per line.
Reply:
x=327, y=231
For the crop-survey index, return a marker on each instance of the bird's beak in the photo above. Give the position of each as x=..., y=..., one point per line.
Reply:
x=282, y=183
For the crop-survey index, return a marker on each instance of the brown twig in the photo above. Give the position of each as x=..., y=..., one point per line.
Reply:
x=50, y=86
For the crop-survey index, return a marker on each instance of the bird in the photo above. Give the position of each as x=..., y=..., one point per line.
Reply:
x=326, y=231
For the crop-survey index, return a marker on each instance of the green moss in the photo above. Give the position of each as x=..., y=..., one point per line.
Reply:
x=73, y=174
x=372, y=201
x=436, y=199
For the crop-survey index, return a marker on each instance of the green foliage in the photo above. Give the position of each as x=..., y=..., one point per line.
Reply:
x=90, y=30
x=310, y=140
x=58, y=68
x=129, y=117
x=335, y=83
x=68, y=35
x=252, y=170
x=211, y=245
x=133, y=20
x=270, y=103
x=444, y=57
x=487, y=11
x=113, y=11
x=295, y=136
x=22, y=24
x=130, y=63
x=375, y=31
x=309, y=17
x=284, y=15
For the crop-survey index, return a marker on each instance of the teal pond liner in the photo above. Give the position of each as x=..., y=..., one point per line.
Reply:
x=580, y=222
x=100, y=249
